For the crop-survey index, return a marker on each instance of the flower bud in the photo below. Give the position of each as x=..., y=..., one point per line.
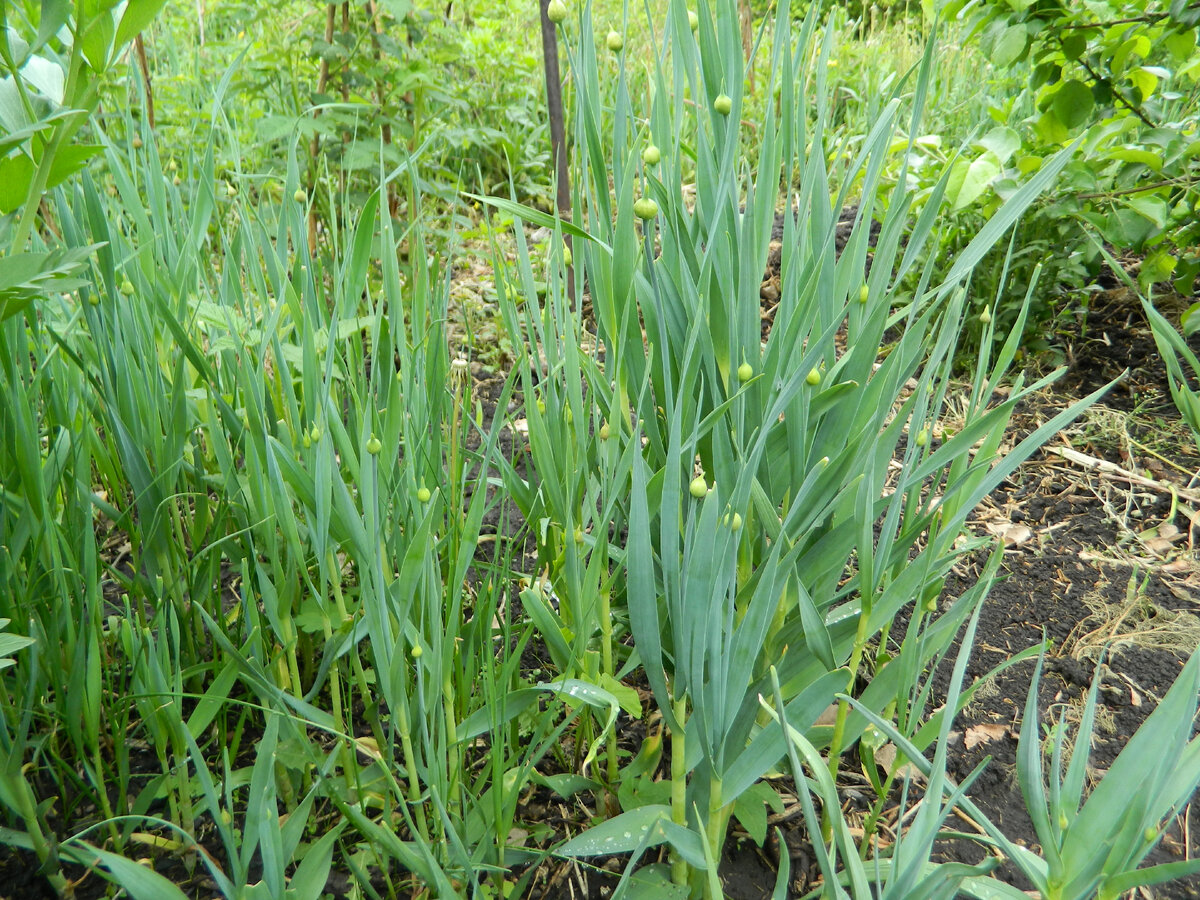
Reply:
x=645, y=208
x=699, y=487
x=723, y=104
x=556, y=12
x=651, y=155
x=614, y=41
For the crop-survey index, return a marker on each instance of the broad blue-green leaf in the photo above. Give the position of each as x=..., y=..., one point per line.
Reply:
x=653, y=882
x=620, y=834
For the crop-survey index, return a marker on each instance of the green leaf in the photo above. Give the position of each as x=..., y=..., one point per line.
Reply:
x=137, y=16
x=139, y=882
x=308, y=882
x=626, y=696
x=592, y=695
x=1144, y=81
x=47, y=76
x=97, y=40
x=536, y=217
x=1180, y=44
x=1011, y=46
x=1073, y=103
x=1002, y=141
x=1151, y=207
x=653, y=882
x=1050, y=128
x=1189, y=322
x=620, y=834
x=16, y=175
x=567, y=784
x=1074, y=45
x=969, y=181
x=1158, y=266
x=26, y=276
x=55, y=14
x=1137, y=155
x=750, y=808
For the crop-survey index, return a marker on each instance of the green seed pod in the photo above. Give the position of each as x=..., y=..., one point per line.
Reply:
x=614, y=41
x=745, y=372
x=651, y=155
x=374, y=445
x=699, y=487
x=645, y=208
x=423, y=494
x=556, y=12
x=723, y=104
x=813, y=377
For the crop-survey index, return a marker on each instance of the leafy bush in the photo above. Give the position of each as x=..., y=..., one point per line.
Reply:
x=1123, y=77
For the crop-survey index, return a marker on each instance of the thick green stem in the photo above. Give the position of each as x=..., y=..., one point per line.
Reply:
x=679, y=867
x=718, y=824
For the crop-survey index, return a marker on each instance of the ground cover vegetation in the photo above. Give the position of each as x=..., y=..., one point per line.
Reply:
x=317, y=581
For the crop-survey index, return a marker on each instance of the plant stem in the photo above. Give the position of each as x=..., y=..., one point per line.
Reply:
x=606, y=666
x=679, y=867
